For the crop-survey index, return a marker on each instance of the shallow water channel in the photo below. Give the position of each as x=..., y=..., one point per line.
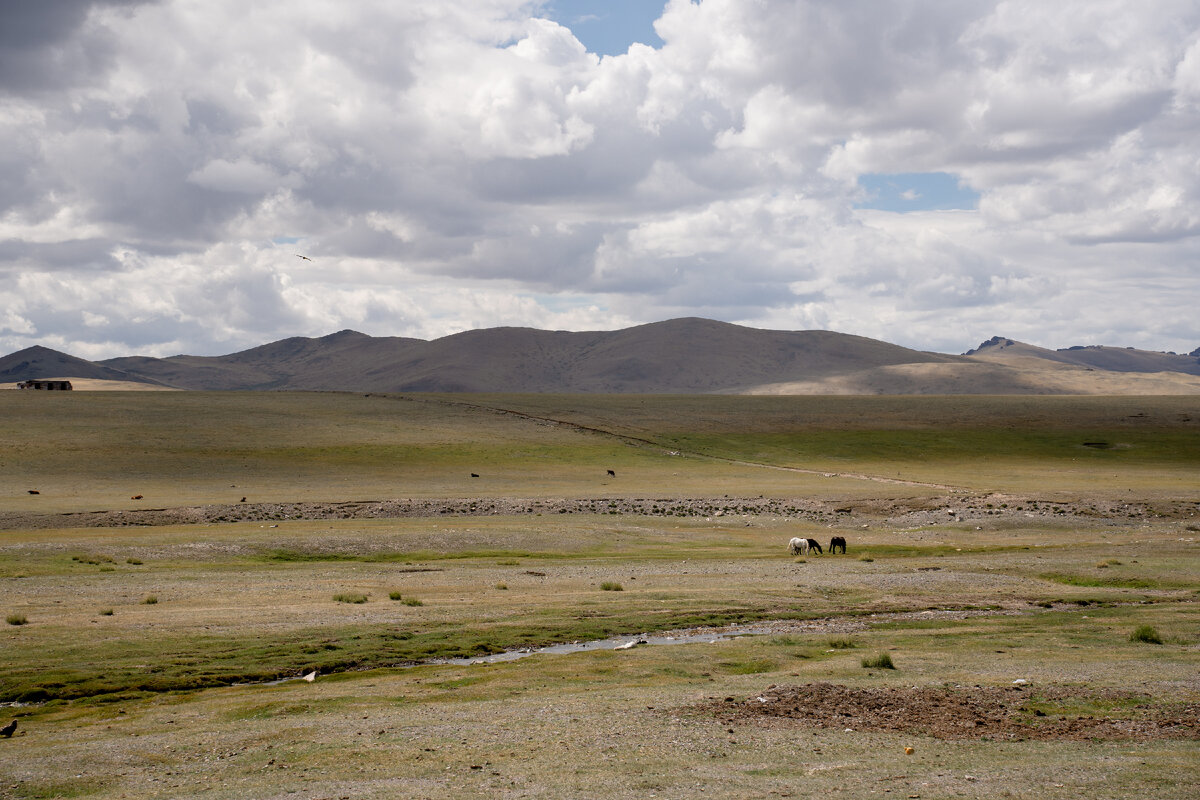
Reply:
x=710, y=635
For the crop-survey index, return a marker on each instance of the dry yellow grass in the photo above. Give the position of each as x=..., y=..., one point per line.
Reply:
x=257, y=598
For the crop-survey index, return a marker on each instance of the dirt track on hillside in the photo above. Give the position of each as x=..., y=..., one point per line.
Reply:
x=893, y=512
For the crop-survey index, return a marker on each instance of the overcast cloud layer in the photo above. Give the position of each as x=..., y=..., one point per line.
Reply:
x=467, y=163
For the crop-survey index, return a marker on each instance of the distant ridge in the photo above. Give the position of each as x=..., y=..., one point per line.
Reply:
x=37, y=362
x=685, y=356
x=1113, y=359
x=680, y=356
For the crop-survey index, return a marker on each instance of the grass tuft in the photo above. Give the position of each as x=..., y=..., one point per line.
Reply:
x=842, y=644
x=611, y=586
x=16, y=619
x=350, y=597
x=106, y=612
x=412, y=601
x=1147, y=634
x=881, y=661
x=93, y=559
x=149, y=600
x=393, y=595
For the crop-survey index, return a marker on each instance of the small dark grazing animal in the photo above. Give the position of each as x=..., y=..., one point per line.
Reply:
x=813, y=544
x=835, y=543
x=612, y=474
x=136, y=497
x=8, y=730
x=474, y=474
x=34, y=491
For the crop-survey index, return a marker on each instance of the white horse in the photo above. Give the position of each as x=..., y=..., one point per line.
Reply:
x=798, y=547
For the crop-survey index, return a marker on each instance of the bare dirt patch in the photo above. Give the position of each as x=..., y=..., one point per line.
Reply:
x=967, y=712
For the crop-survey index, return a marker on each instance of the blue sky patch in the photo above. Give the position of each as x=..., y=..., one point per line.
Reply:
x=916, y=191
x=609, y=27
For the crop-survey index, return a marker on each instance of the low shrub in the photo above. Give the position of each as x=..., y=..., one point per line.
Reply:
x=612, y=586
x=106, y=612
x=350, y=597
x=134, y=561
x=502, y=585
x=16, y=619
x=865, y=558
x=393, y=595
x=412, y=601
x=881, y=661
x=1145, y=633
x=150, y=600
x=93, y=559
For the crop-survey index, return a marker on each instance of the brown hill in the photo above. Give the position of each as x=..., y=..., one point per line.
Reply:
x=684, y=356
x=1112, y=359
x=343, y=360
x=42, y=363
x=677, y=356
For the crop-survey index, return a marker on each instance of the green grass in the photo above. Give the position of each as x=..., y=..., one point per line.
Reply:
x=350, y=597
x=1099, y=582
x=880, y=661
x=116, y=665
x=1146, y=634
x=749, y=666
x=189, y=447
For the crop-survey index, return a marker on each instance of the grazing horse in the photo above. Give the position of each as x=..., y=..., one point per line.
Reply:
x=612, y=473
x=798, y=547
x=835, y=543
x=813, y=544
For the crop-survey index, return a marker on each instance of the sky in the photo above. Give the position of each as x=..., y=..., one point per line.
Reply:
x=923, y=172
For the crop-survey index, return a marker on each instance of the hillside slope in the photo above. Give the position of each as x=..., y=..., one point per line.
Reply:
x=681, y=356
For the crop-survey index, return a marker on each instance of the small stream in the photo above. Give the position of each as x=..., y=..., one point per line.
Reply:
x=708, y=635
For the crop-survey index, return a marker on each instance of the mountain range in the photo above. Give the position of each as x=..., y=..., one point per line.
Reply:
x=681, y=356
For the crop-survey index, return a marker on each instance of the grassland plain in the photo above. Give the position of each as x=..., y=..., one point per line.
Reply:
x=991, y=541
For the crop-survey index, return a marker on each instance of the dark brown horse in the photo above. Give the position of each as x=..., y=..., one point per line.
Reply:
x=835, y=543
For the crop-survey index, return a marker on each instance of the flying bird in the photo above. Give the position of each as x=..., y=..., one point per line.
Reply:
x=306, y=258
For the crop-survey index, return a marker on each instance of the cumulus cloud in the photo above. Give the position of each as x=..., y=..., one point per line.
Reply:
x=469, y=163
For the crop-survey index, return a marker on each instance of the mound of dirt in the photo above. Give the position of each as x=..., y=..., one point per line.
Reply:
x=897, y=511
x=967, y=712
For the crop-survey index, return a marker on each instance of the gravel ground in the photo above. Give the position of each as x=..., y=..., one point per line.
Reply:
x=895, y=512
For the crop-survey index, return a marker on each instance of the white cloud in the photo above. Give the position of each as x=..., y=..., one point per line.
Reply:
x=465, y=164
